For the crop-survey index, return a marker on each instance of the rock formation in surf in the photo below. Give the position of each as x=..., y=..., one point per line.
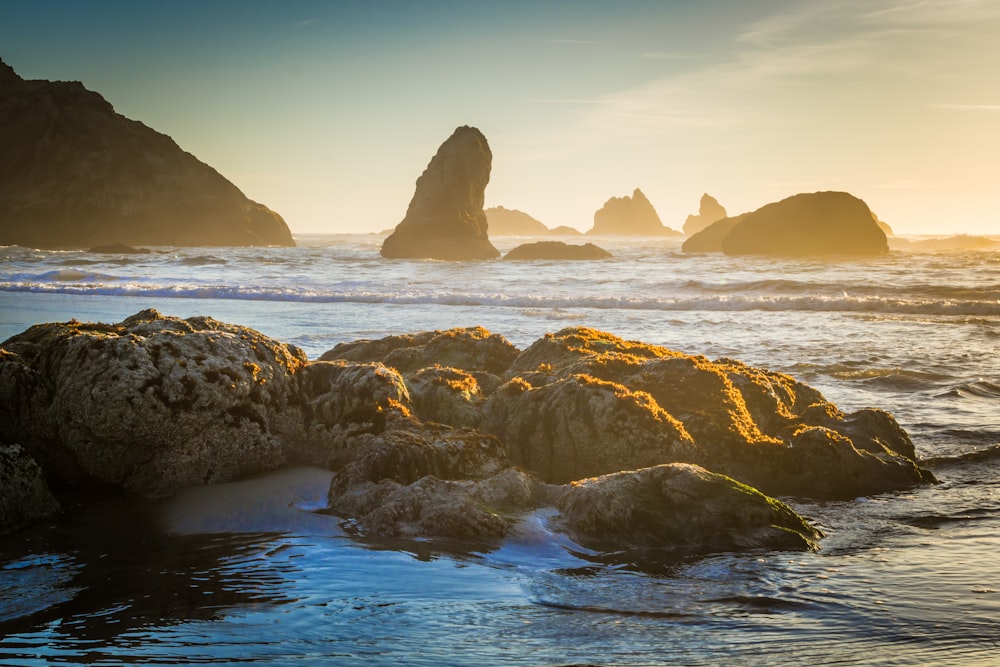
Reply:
x=511, y=222
x=557, y=250
x=710, y=238
x=816, y=224
x=445, y=219
x=24, y=496
x=76, y=174
x=631, y=216
x=453, y=433
x=709, y=211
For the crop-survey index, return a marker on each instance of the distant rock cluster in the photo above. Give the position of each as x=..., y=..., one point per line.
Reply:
x=75, y=174
x=633, y=216
x=453, y=433
x=709, y=211
x=813, y=224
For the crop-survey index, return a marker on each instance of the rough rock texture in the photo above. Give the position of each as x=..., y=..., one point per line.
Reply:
x=150, y=404
x=557, y=250
x=809, y=224
x=709, y=211
x=678, y=506
x=632, y=216
x=75, y=174
x=470, y=349
x=511, y=222
x=710, y=238
x=448, y=433
x=762, y=428
x=445, y=219
x=24, y=496
x=581, y=426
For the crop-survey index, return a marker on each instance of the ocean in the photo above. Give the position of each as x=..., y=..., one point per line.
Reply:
x=249, y=572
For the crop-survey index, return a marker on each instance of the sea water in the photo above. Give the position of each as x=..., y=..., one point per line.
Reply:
x=249, y=573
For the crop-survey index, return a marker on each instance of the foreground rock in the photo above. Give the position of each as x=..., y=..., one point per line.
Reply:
x=75, y=174
x=679, y=507
x=709, y=211
x=445, y=433
x=445, y=219
x=148, y=405
x=631, y=216
x=557, y=250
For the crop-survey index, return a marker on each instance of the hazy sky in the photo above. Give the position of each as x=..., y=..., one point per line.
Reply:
x=329, y=111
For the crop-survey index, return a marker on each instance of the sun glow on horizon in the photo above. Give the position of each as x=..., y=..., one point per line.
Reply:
x=328, y=112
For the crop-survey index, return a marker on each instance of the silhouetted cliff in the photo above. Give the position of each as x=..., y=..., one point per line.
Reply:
x=631, y=216
x=75, y=174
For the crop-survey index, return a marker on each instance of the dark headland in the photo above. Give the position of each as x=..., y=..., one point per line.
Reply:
x=76, y=174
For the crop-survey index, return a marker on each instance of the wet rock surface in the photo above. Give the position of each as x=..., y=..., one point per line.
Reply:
x=453, y=433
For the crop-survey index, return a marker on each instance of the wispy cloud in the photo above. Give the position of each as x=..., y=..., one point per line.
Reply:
x=570, y=41
x=303, y=23
x=968, y=107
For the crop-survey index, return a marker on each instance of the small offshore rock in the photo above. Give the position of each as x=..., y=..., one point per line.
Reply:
x=557, y=250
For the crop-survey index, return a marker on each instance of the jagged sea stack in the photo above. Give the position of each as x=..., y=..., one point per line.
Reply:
x=630, y=216
x=76, y=174
x=445, y=219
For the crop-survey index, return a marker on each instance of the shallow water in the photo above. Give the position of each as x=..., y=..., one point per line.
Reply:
x=250, y=572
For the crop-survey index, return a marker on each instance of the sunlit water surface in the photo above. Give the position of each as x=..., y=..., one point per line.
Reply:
x=250, y=573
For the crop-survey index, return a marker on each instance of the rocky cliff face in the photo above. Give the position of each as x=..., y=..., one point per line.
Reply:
x=709, y=211
x=76, y=174
x=632, y=216
x=445, y=219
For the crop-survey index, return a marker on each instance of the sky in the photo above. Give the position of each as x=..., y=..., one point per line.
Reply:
x=328, y=111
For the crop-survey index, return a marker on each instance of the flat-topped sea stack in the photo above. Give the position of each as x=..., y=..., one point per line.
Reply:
x=76, y=174
x=557, y=250
x=815, y=224
x=445, y=219
x=630, y=216
x=709, y=211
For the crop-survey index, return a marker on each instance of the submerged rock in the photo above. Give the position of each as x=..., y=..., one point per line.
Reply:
x=557, y=250
x=24, y=496
x=709, y=211
x=445, y=219
x=633, y=216
x=76, y=174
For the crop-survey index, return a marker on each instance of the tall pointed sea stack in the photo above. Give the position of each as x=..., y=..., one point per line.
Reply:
x=76, y=174
x=445, y=219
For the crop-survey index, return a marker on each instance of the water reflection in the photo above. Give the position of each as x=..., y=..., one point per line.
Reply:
x=110, y=569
